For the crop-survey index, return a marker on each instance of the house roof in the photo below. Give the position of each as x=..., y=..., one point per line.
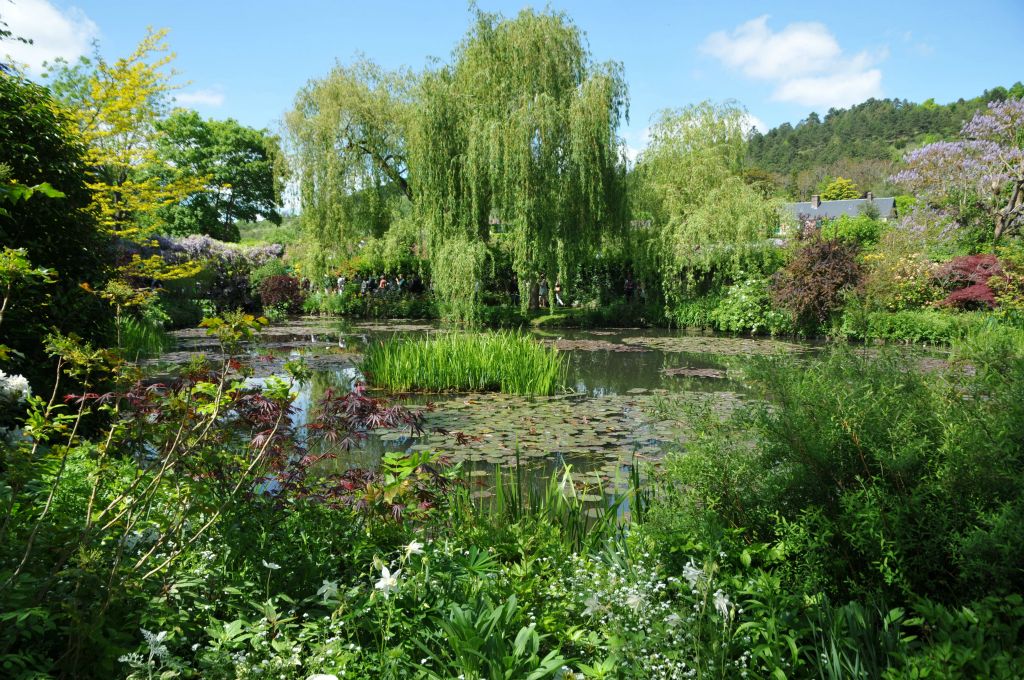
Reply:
x=852, y=207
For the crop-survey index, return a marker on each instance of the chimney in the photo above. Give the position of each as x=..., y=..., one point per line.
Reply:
x=870, y=196
x=815, y=201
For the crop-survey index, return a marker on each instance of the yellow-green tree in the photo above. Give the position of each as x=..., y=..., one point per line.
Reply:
x=117, y=106
x=840, y=189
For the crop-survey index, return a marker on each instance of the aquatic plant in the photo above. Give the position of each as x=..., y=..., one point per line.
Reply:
x=466, y=362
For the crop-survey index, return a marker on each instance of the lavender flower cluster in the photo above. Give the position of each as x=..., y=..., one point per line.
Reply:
x=202, y=247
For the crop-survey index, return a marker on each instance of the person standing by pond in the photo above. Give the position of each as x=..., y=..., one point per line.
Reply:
x=558, y=294
x=542, y=293
x=629, y=287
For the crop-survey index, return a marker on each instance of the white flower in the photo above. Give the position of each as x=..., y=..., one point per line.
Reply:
x=323, y=676
x=271, y=565
x=388, y=581
x=693, y=574
x=673, y=620
x=635, y=601
x=14, y=388
x=414, y=548
x=328, y=590
x=722, y=603
x=593, y=605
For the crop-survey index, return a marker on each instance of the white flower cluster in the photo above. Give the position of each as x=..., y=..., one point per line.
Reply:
x=667, y=621
x=14, y=388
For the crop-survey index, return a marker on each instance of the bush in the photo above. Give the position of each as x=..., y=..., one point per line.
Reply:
x=747, y=308
x=695, y=312
x=613, y=315
x=877, y=477
x=898, y=274
x=274, y=267
x=282, y=292
x=371, y=306
x=38, y=143
x=936, y=327
x=862, y=230
x=966, y=278
x=812, y=286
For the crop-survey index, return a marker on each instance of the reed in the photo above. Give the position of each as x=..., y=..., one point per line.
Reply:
x=140, y=340
x=502, y=361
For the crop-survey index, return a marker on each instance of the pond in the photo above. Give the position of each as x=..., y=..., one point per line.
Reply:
x=605, y=423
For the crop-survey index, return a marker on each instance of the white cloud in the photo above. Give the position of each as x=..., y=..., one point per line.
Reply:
x=207, y=97
x=840, y=89
x=54, y=33
x=803, y=60
x=750, y=121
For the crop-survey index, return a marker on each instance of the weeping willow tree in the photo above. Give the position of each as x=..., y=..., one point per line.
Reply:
x=706, y=222
x=349, y=139
x=519, y=134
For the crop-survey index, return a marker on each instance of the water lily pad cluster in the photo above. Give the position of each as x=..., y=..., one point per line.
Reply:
x=699, y=344
x=565, y=345
x=593, y=434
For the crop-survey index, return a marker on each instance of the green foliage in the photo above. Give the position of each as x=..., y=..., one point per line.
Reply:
x=1009, y=287
x=459, y=282
x=695, y=312
x=887, y=485
x=241, y=166
x=747, y=308
x=929, y=326
x=877, y=131
x=57, y=233
x=708, y=221
x=475, y=362
x=141, y=339
x=519, y=129
x=350, y=132
x=614, y=315
x=272, y=267
x=862, y=230
x=898, y=273
x=371, y=306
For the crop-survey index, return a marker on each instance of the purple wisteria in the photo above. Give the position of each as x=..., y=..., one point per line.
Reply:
x=984, y=169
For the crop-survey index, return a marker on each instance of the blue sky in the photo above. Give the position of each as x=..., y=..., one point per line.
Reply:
x=782, y=60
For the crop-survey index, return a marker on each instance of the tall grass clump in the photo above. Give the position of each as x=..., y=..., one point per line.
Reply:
x=142, y=340
x=466, y=362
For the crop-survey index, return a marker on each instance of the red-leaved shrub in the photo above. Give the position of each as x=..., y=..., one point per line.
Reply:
x=966, y=278
x=282, y=291
x=972, y=297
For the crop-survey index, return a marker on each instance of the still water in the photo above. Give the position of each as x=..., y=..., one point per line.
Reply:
x=627, y=393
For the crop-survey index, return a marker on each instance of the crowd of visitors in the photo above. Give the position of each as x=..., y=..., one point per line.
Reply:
x=383, y=285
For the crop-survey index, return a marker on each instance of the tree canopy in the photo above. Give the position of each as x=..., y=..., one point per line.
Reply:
x=518, y=134
x=238, y=163
x=349, y=142
x=705, y=218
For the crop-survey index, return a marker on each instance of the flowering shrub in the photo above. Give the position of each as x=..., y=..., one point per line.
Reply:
x=898, y=278
x=1009, y=287
x=747, y=308
x=226, y=278
x=653, y=625
x=984, y=170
